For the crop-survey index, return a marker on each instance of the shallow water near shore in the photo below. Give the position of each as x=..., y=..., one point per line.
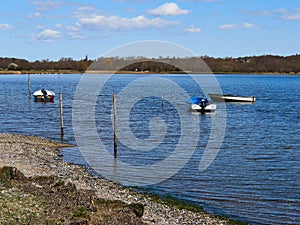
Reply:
x=256, y=174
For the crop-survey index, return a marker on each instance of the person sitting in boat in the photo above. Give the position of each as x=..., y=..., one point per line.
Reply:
x=203, y=103
x=44, y=93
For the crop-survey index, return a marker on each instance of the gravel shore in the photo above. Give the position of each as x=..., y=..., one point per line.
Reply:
x=37, y=157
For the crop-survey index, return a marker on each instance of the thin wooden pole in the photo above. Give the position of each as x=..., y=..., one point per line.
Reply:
x=115, y=124
x=61, y=115
x=28, y=84
x=162, y=100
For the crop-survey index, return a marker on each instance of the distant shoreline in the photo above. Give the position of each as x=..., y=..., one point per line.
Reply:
x=17, y=72
x=264, y=64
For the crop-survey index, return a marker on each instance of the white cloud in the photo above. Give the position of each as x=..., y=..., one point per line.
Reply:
x=168, y=9
x=85, y=8
x=193, y=29
x=75, y=32
x=83, y=11
x=47, y=35
x=35, y=15
x=249, y=26
x=291, y=16
x=228, y=26
x=238, y=26
x=58, y=25
x=116, y=22
x=288, y=15
x=281, y=13
x=47, y=4
x=40, y=27
x=73, y=28
x=266, y=12
x=281, y=10
x=5, y=26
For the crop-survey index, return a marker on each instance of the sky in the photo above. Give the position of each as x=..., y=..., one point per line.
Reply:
x=55, y=29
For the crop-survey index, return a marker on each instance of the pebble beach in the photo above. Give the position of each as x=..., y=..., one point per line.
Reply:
x=37, y=157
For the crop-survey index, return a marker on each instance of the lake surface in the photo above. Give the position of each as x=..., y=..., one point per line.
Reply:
x=255, y=176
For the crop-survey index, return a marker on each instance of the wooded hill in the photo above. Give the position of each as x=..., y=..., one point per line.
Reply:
x=251, y=64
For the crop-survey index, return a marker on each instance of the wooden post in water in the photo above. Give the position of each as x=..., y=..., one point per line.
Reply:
x=115, y=124
x=61, y=115
x=162, y=100
x=28, y=78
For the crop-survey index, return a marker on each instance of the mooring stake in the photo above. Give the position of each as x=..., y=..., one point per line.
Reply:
x=61, y=115
x=115, y=124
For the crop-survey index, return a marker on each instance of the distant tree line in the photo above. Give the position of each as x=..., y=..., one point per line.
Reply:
x=250, y=64
x=44, y=65
x=255, y=64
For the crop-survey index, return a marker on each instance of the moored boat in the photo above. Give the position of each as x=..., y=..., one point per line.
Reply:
x=202, y=105
x=44, y=96
x=232, y=98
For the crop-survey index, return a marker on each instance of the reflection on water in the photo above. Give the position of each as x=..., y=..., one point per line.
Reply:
x=255, y=176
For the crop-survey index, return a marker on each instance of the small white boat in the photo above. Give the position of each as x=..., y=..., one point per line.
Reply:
x=202, y=105
x=207, y=108
x=44, y=96
x=232, y=98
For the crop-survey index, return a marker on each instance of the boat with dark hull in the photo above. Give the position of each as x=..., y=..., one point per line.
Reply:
x=44, y=96
x=232, y=98
x=202, y=105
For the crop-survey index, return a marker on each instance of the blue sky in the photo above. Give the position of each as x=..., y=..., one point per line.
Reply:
x=52, y=29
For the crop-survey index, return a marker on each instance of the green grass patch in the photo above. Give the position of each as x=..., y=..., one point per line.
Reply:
x=80, y=213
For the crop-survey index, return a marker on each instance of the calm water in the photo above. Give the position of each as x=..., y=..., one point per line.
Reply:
x=256, y=174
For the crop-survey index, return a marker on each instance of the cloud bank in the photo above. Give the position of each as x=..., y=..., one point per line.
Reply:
x=117, y=22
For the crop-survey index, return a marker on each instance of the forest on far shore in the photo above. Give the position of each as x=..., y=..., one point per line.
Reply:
x=249, y=64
